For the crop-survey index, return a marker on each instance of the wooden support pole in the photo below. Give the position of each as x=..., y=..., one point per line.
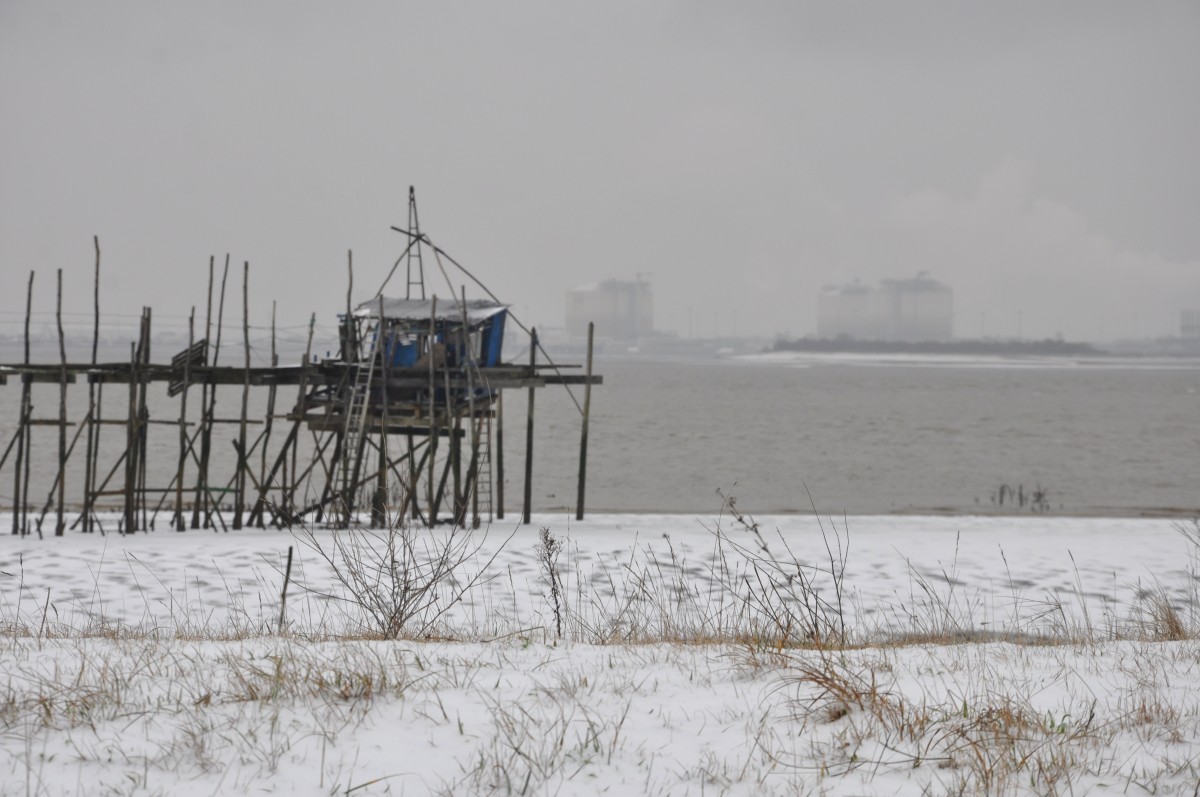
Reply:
x=583, y=435
x=201, y=468
x=349, y=343
x=129, y=512
x=184, y=446
x=473, y=472
x=91, y=502
x=469, y=491
x=60, y=521
x=455, y=443
x=410, y=498
x=28, y=424
x=239, y=490
x=206, y=441
x=379, y=499
x=431, y=518
x=21, y=482
x=207, y=398
x=270, y=417
x=349, y=460
x=144, y=414
x=499, y=455
x=89, y=464
x=528, y=503
x=301, y=410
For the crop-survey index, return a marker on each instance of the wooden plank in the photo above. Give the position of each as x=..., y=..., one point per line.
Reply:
x=266, y=376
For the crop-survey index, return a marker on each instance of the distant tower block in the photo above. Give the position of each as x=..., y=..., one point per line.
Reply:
x=916, y=310
x=621, y=309
x=1189, y=324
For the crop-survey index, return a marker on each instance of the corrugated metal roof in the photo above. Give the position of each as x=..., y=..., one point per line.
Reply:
x=422, y=309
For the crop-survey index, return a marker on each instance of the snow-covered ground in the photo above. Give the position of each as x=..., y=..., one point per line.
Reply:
x=983, y=656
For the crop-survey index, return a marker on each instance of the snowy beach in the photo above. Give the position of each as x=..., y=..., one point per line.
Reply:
x=980, y=656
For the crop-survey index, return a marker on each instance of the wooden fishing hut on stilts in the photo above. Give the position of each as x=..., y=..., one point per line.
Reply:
x=404, y=425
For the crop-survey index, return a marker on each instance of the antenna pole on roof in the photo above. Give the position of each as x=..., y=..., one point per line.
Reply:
x=413, y=253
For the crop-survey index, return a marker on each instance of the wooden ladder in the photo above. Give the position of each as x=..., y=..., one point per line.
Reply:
x=358, y=404
x=482, y=487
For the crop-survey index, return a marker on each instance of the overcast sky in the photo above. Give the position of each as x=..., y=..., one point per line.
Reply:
x=1040, y=158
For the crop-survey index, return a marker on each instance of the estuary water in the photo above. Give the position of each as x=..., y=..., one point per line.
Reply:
x=857, y=435
x=879, y=435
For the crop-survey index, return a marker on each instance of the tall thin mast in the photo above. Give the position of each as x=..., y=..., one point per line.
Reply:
x=414, y=251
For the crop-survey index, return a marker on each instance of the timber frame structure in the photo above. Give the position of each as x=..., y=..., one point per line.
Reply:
x=402, y=426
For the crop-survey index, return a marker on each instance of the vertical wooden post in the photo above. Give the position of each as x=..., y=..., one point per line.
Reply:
x=528, y=504
x=96, y=457
x=129, y=511
x=499, y=455
x=89, y=466
x=301, y=411
x=455, y=452
x=263, y=480
x=350, y=354
x=351, y=348
x=473, y=471
x=143, y=428
x=201, y=471
x=471, y=490
x=60, y=522
x=385, y=359
x=583, y=437
x=414, y=505
x=210, y=419
x=27, y=425
x=432, y=517
x=239, y=487
x=21, y=482
x=183, y=435
x=379, y=499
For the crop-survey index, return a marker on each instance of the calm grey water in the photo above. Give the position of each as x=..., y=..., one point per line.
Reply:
x=867, y=438
x=861, y=437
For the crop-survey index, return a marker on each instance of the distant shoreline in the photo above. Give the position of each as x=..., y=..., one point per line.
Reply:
x=1039, y=348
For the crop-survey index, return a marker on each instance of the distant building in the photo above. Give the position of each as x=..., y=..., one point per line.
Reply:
x=1189, y=324
x=621, y=309
x=912, y=310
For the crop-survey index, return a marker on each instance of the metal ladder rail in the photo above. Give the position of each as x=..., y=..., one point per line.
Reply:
x=356, y=421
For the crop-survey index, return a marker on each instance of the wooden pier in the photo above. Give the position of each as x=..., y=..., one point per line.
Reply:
x=402, y=426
